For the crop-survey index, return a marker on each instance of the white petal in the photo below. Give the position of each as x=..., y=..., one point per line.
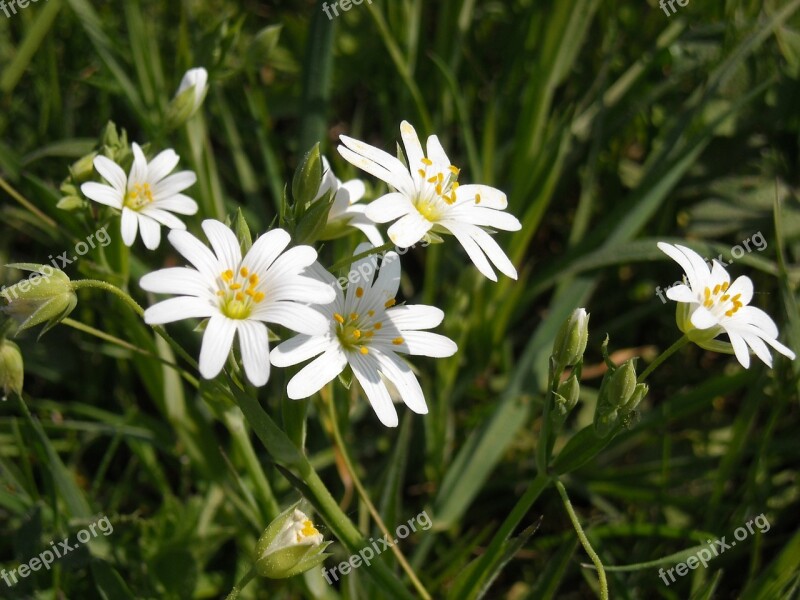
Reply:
x=758, y=318
x=165, y=218
x=217, y=342
x=177, y=309
x=177, y=203
x=365, y=369
x=760, y=349
x=178, y=280
x=173, y=184
x=150, y=230
x=224, y=243
x=489, y=197
x=435, y=151
x=299, y=349
x=388, y=277
x=162, y=165
x=703, y=319
x=742, y=285
x=376, y=155
x=679, y=257
x=787, y=352
x=139, y=168
x=197, y=253
x=129, y=224
x=291, y=262
x=299, y=288
x=292, y=315
x=361, y=275
x=355, y=189
x=425, y=343
x=699, y=265
x=740, y=349
x=400, y=180
x=486, y=217
x=409, y=229
x=265, y=250
x=493, y=251
x=389, y=207
x=718, y=273
x=415, y=316
x=254, y=344
x=368, y=229
x=311, y=378
x=476, y=255
x=681, y=293
x=401, y=375
x=413, y=146
x=112, y=173
x=104, y=194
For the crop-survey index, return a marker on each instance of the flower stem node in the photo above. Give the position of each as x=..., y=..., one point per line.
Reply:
x=570, y=343
x=45, y=297
x=12, y=370
x=289, y=546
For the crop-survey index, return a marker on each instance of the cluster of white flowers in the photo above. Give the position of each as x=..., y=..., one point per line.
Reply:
x=363, y=328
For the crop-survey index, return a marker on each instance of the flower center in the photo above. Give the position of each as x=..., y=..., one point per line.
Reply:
x=238, y=294
x=718, y=298
x=355, y=331
x=307, y=531
x=437, y=190
x=139, y=195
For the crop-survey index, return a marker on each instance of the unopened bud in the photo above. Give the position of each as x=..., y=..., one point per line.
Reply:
x=189, y=97
x=566, y=398
x=622, y=384
x=570, y=343
x=82, y=169
x=12, y=372
x=290, y=545
x=45, y=297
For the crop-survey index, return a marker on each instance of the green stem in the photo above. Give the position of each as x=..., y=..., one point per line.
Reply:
x=662, y=357
x=27, y=204
x=601, y=573
x=349, y=260
x=337, y=436
x=103, y=285
x=242, y=584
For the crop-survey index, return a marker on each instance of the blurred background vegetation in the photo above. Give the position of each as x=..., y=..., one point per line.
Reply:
x=609, y=124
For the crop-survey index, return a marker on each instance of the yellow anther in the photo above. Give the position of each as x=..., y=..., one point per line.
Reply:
x=354, y=316
x=735, y=299
x=708, y=303
x=427, y=161
x=440, y=177
x=249, y=292
x=477, y=198
x=421, y=172
x=390, y=303
x=258, y=297
x=716, y=289
x=236, y=286
x=239, y=296
x=454, y=169
x=707, y=293
x=397, y=341
x=357, y=333
x=220, y=293
x=432, y=179
x=729, y=313
x=244, y=272
x=725, y=286
x=439, y=188
x=455, y=185
x=369, y=334
x=371, y=313
x=308, y=528
x=364, y=350
x=725, y=297
x=227, y=275
x=359, y=292
x=378, y=325
x=339, y=318
x=253, y=279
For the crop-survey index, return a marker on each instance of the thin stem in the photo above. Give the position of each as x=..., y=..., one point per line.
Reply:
x=337, y=436
x=27, y=204
x=349, y=260
x=242, y=584
x=601, y=573
x=680, y=343
x=103, y=285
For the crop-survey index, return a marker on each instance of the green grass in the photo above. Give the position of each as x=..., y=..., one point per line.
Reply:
x=609, y=125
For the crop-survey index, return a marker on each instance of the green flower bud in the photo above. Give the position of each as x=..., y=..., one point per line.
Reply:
x=289, y=546
x=566, y=398
x=263, y=45
x=638, y=395
x=307, y=182
x=70, y=203
x=313, y=197
x=622, y=384
x=570, y=343
x=45, y=297
x=11, y=368
x=189, y=97
x=82, y=169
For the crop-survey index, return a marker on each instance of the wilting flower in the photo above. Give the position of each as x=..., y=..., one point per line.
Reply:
x=428, y=199
x=710, y=305
x=345, y=212
x=46, y=297
x=147, y=197
x=367, y=330
x=239, y=295
x=290, y=545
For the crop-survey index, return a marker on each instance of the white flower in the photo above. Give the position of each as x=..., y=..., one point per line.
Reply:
x=711, y=305
x=147, y=197
x=345, y=212
x=238, y=295
x=428, y=198
x=366, y=329
x=198, y=79
x=297, y=530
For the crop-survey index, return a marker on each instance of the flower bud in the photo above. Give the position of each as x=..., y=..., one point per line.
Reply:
x=570, y=343
x=622, y=384
x=11, y=368
x=82, y=169
x=46, y=297
x=289, y=546
x=566, y=398
x=313, y=197
x=619, y=395
x=189, y=97
x=638, y=395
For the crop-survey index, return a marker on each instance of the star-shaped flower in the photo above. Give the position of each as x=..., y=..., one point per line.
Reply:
x=147, y=196
x=239, y=295
x=710, y=305
x=428, y=198
x=367, y=330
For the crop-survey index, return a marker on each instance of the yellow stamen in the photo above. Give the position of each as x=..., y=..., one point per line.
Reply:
x=239, y=296
x=357, y=333
x=378, y=325
x=339, y=318
x=244, y=272
x=227, y=275
x=427, y=161
x=397, y=341
x=454, y=170
x=725, y=297
x=725, y=286
x=253, y=279
x=308, y=528
x=716, y=289
x=236, y=286
x=359, y=292
x=439, y=188
x=220, y=293
x=707, y=293
x=477, y=198
x=390, y=303
x=258, y=297
x=371, y=313
x=421, y=172
x=432, y=179
x=354, y=316
x=364, y=350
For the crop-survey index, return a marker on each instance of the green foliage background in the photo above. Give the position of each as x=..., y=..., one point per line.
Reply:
x=609, y=124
